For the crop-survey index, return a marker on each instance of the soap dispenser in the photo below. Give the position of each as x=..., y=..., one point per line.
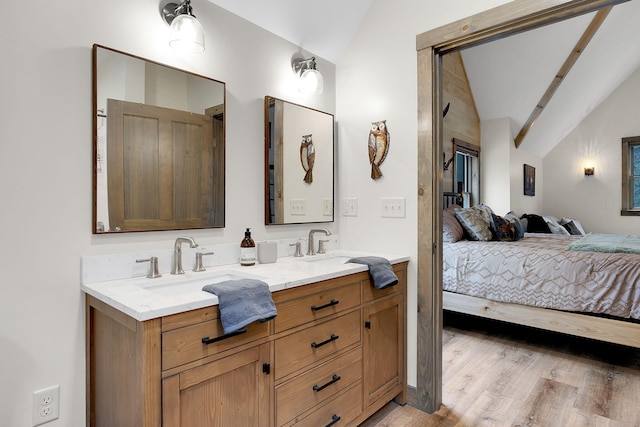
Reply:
x=247, y=249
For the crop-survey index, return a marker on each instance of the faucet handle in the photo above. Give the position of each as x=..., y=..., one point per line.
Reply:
x=298, y=246
x=153, y=267
x=321, y=248
x=199, y=266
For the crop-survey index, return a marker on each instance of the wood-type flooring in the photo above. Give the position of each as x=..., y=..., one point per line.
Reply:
x=496, y=374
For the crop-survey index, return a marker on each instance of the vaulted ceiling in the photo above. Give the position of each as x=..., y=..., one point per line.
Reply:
x=508, y=77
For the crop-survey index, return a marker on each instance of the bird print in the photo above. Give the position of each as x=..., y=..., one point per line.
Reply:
x=307, y=157
x=378, y=146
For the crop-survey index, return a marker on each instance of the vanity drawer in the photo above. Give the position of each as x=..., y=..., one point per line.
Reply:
x=311, y=345
x=317, y=385
x=316, y=306
x=339, y=411
x=369, y=292
x=183, y=345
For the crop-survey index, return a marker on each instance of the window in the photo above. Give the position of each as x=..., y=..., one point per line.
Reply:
x=467, y=171
x=630, y=176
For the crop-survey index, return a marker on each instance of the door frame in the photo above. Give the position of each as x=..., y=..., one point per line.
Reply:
x=512, y=18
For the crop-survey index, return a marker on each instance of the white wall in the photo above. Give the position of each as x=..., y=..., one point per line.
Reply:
x=520, y=203
x=596, y=200
x=376, y=80
x=46, y=170
x=495, y=155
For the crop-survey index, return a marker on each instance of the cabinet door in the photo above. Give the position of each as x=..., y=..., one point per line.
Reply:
x=383, y=355
x=233, y=391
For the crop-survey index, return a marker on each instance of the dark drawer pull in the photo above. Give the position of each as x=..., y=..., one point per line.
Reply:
x=334, y=419
x=334, y=379
x=333, y=338
x=207, y=340
x=330, y=304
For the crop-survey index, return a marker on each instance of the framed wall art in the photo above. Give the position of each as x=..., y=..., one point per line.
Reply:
x=529, y=180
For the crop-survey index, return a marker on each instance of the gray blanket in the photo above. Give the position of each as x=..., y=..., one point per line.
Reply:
x=242, y=302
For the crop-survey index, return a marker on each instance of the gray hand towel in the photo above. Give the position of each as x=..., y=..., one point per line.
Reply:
x=242, y=302
x=380, y=270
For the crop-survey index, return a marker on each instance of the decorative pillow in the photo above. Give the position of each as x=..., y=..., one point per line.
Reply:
x=572, y=229
x=513, y=218
x=536, y=224
x=475, y=222
x=576, y=223
x=557, y=228
x=451, y=229
x=502, y=229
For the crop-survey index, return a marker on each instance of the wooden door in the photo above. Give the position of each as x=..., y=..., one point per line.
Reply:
x=233, y=391
x=383, y=348
x=160, y=168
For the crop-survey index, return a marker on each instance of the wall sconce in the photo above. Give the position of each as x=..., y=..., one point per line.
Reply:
x=186, y=32
x=310, y=79
x=588, y=171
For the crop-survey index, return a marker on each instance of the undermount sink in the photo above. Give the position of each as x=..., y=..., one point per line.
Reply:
x=172, y=285
x=330, y=259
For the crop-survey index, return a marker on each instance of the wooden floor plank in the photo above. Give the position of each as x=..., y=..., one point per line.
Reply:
x=501, y=375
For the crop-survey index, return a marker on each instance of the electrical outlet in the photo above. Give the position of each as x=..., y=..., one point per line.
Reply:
x=393, y=207
x=46, y=405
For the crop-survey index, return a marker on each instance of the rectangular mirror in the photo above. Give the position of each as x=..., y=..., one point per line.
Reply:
x=298, y=163
x=159, y=146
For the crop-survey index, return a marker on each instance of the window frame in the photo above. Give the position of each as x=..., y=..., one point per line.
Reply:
x=627, y=176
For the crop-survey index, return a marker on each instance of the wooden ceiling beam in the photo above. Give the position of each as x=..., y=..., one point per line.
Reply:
x=593, y=27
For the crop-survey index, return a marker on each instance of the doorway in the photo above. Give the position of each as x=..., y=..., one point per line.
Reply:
x=511, y=18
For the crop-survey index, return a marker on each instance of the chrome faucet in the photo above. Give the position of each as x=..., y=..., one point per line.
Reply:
x=311, y=249
x=176, y=267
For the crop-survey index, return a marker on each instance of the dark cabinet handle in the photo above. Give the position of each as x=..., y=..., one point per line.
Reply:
x=330, y=304
x=334, y=379
x=333, y=338
x=367, y=325
x=334, y=419
x=207, y=340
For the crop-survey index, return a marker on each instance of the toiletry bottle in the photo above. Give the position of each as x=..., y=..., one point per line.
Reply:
x=247, y=249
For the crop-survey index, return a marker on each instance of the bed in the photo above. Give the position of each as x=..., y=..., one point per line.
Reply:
x=535, y=281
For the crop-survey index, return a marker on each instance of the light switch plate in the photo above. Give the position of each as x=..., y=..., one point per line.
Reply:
x=350, y=206
x=327, y=207
x=393, y=207
x=298, y=206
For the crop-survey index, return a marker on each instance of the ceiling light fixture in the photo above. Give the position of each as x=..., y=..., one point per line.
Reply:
x=186, y=32
x=310, y=80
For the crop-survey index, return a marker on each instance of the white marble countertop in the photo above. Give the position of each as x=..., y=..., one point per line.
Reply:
x=143, y=298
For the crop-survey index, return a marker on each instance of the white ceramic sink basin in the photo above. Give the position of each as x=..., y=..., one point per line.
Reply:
x=330, y=259
x=172, y=285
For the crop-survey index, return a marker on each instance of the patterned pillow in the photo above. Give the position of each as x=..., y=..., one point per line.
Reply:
x=475, y=222
x=576, y=223
x=513, y=218
x=504, y=229
x=572, y=228
x=451, y=229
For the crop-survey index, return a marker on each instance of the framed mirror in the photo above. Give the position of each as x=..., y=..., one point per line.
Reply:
x=159, y=146
x=298, y=163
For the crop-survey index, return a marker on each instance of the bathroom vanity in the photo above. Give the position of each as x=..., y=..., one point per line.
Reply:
x=334, y=355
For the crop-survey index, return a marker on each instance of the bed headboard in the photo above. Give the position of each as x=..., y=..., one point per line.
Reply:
x=450, y=198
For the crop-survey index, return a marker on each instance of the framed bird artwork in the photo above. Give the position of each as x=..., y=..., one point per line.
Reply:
x=378, y=146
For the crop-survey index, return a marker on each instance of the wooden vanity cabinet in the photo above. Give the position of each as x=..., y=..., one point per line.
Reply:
x=334, y=355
